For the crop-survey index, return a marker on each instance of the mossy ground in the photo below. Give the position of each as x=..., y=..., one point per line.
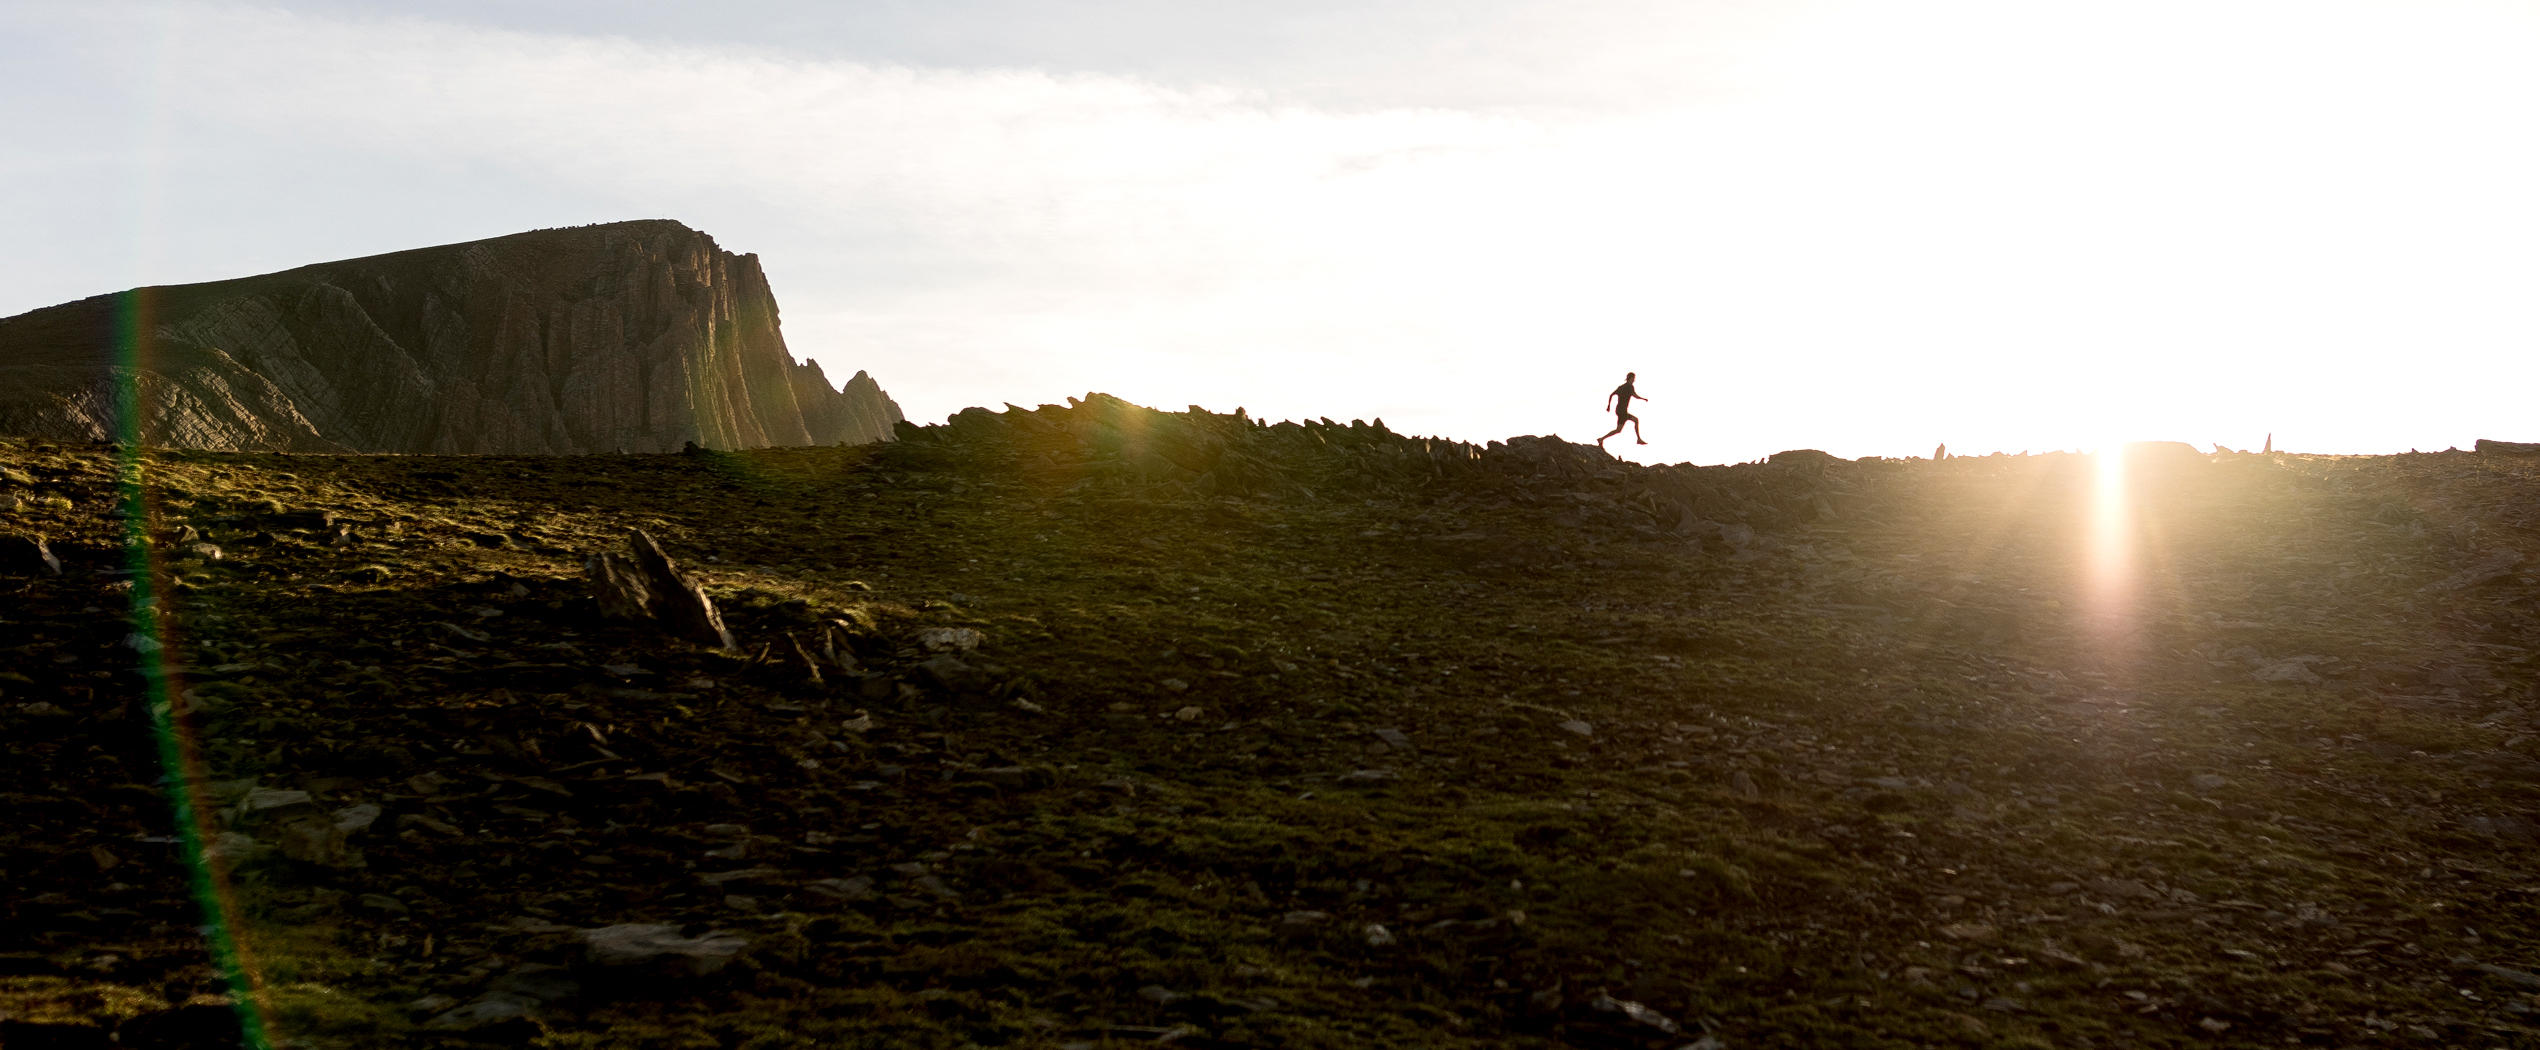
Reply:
x=1898, y=772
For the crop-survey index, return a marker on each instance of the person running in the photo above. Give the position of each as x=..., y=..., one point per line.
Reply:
x=1622, y=397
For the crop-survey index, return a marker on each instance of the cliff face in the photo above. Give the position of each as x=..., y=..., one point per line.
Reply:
x=632, y=336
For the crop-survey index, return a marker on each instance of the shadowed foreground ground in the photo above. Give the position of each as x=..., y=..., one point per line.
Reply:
x=1287, y=736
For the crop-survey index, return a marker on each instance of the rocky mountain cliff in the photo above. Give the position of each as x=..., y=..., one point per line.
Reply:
x=630, y=336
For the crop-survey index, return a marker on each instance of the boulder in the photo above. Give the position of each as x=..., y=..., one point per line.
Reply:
x=661, y=950
x=313, y=838
x=943, y=639
x=516, y=995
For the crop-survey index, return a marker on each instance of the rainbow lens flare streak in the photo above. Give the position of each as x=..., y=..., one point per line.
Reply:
x=163, y=694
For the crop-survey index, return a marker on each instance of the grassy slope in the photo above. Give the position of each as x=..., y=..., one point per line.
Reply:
x=1890, y=774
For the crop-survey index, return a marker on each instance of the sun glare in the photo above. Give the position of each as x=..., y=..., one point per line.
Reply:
x=2108, y=561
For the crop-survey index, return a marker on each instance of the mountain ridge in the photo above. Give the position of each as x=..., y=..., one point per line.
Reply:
x=629, y=336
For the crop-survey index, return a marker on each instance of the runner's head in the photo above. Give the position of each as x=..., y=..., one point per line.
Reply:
x=1631, y=377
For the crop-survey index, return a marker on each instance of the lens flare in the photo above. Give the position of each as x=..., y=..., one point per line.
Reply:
x=152, y=640
x=2108, y=558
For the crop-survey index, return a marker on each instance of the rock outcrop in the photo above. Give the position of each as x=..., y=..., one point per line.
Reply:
x=630, y=336
x=648, y=587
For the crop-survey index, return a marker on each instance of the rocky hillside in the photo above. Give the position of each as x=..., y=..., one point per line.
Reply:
x=1095, y=726
x=631, y=336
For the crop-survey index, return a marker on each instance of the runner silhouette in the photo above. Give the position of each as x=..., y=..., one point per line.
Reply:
x=1622, y=397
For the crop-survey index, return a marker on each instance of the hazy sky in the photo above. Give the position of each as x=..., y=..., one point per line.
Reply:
x=1864, y=227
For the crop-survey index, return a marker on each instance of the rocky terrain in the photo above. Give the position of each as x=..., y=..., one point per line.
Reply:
x=1093, y=726
x=624, y=337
